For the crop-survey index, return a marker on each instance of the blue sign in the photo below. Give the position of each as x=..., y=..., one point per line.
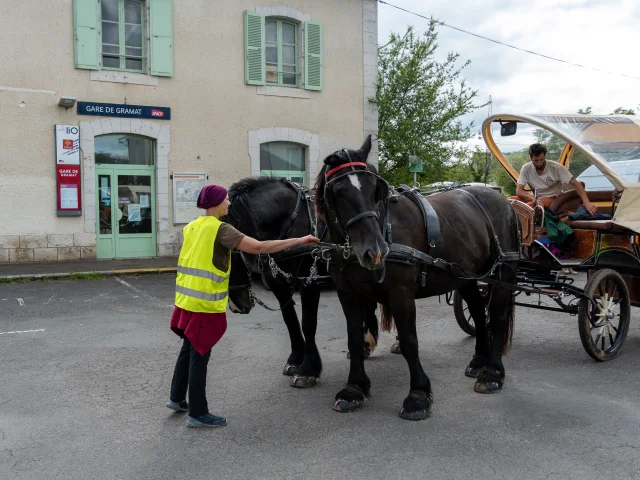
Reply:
x=123, y=110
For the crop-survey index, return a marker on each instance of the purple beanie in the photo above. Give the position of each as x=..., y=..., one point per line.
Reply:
x=211, y=196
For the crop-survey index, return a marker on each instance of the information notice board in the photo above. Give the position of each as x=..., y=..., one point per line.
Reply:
x=186, y=188
x=68, y=190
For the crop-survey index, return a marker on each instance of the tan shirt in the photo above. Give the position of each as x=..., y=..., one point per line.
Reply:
x=226, y=240
x=549, y=184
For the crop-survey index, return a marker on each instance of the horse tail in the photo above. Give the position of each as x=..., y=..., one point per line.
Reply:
x=510, y=320
x=386, y=319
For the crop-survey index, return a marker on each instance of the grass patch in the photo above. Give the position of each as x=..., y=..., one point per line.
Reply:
x=73, y=276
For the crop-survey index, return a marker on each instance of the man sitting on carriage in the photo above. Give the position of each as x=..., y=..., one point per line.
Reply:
x=546, y=179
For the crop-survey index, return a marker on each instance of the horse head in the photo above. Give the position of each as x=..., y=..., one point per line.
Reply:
x=351, y=196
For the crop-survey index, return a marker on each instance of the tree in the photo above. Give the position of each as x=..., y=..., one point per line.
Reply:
x=420, y=104
x=623, y=111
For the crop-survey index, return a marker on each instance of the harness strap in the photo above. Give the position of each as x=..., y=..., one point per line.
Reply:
x=486, y=216
x=360, y=216
x=345, y=165
x=285, y=229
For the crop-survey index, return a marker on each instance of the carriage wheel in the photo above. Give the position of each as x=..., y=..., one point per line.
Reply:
x=604, y=327
x=462, y=314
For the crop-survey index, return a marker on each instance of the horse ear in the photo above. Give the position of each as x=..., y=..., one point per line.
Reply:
x=366, y=147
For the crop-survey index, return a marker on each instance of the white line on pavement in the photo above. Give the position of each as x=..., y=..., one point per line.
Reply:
x=137, y=290
x=22, y=331
x=20, y=301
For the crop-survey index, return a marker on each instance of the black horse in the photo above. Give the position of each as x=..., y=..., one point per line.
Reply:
x=267, y=208
x=477, y=227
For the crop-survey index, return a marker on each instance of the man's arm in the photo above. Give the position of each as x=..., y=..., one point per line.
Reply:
x=591, y=208
x=523, y=194
x=253, y=246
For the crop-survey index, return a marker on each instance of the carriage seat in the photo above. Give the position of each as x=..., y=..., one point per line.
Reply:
x=594, y=225
x=570, y=201
x=527, y=216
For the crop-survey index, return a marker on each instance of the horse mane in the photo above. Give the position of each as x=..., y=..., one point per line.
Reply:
x=250, y=184
x=240, y=213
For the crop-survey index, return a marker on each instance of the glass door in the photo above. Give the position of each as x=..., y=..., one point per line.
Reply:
x=126, y=212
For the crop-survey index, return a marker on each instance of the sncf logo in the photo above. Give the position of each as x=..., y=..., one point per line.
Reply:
x=157, y=113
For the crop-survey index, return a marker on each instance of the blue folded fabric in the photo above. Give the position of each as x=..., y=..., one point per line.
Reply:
x=583, y=214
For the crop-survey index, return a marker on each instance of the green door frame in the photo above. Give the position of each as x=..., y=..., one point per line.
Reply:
x=116, y=244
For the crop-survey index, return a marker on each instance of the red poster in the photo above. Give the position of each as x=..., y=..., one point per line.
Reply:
x=69, y=190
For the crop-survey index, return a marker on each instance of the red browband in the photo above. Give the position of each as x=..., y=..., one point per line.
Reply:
x=345, y=165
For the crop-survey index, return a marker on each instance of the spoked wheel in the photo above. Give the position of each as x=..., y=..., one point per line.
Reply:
x=604, y=326
x=462, y=314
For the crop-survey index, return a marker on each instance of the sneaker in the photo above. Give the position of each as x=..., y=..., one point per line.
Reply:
x=181, y=406
x=207, y=420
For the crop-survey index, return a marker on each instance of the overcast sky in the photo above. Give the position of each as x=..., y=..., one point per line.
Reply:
x=603, y=34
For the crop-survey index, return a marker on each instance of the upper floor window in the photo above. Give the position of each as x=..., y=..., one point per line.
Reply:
x=272, y=48
x=112, y=34
x=281, y=52
x=122, y=35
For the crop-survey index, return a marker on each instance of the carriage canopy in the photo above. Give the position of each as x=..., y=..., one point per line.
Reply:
x=611, y=143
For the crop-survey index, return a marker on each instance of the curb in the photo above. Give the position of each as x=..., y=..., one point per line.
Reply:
x=105, y=273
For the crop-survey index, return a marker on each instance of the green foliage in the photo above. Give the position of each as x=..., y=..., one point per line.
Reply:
x=420, y=104
x=624, y=111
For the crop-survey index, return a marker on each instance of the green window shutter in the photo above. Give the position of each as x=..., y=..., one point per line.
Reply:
x=254, y=70
x=86, y=33
x=313, y=55
x=161, y=34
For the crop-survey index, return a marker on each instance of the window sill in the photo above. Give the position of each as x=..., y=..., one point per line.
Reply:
x=283, y=92
x=124, y=77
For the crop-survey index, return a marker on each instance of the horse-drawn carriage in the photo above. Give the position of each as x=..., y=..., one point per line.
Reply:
x=608, y=250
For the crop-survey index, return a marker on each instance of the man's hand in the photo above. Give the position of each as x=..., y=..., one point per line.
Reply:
x=591, y=208
x=308, y=240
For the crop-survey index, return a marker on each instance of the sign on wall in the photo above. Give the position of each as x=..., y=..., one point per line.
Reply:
x=123, y=110
x=68, y=188
x=186, y=188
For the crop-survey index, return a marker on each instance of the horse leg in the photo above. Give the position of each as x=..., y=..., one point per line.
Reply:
x=501, y=320
x=351, y=397
x=370, y=332
x=476, y=304
x=284, y=296
x=417, y=405
x=309, y=371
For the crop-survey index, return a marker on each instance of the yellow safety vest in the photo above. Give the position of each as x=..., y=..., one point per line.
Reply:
x=200, y=286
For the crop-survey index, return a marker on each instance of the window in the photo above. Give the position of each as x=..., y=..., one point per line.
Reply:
x=113, y=34
x=283, y=159
x=272, y=49
x=281, y=53
x=122, y=35
x=124, y=149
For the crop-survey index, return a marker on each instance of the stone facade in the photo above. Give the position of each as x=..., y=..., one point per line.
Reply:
x=217, y=121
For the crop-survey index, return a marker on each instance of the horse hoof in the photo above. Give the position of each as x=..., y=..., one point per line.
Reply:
x=347, y=406
x=290, y=369
x=415, y=415
x=472, y=372
x=490, y=386
x=303, y=381
x=395, y=348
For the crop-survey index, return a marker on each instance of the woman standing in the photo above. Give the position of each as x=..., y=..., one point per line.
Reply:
x=199, y=315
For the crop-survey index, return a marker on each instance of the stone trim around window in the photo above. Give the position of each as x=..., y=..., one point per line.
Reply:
x=300, y=17
x=162, y=134
x=285, y=134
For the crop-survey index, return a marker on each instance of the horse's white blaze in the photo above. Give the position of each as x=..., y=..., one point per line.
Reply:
x=355, y=181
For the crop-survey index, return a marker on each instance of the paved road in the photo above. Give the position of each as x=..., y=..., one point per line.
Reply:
x=82, y=397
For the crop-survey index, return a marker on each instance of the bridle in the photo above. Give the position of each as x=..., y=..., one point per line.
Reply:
x=341, y=171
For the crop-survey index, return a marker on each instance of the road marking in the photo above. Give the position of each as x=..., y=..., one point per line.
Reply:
x=137, y=290
x=22, y=331
x=20, y=301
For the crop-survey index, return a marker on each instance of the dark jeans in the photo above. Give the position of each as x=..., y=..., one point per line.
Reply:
x=191, y=373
